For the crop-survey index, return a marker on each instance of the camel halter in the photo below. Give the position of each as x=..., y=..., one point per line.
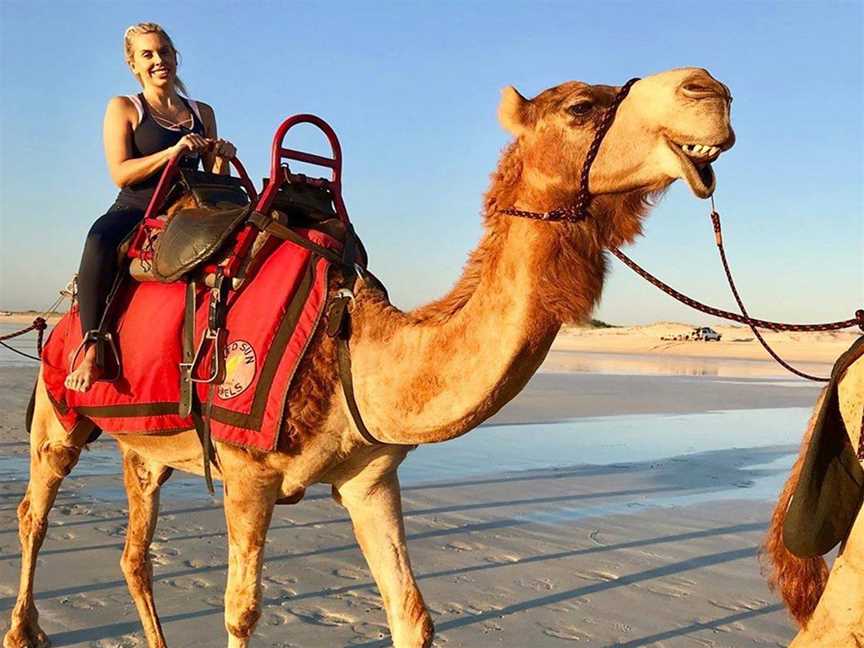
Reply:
x=578, y=212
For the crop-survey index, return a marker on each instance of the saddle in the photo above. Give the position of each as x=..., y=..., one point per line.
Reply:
x=217, y=232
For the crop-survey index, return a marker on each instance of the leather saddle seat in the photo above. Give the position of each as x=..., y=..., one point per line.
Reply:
x=205, y=211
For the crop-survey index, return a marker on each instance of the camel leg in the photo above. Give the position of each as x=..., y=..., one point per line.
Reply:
x=375, y=506
x=249, y=500
x=142, y=479
x=53, y=454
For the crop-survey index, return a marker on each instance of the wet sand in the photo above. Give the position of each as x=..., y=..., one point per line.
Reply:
x=613, y=543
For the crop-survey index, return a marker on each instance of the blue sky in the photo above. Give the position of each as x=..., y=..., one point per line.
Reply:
x=412, y=90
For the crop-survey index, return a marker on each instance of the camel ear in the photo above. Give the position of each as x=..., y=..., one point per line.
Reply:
x=514, y=111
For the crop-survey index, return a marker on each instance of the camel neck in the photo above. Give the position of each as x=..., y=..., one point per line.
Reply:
x=436, y=373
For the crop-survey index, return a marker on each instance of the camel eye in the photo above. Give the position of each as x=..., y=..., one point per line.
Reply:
x=581, y=108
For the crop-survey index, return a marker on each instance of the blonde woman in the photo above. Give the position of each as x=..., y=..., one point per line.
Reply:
x=141, y=134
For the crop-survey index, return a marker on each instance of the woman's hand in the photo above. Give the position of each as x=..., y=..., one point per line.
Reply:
x=224, y=149
x=190, y=143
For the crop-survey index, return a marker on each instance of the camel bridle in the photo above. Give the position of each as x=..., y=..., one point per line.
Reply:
x=578, y=212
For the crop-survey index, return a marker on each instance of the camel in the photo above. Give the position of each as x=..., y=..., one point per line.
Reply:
x=424, y=376
x=829, y=607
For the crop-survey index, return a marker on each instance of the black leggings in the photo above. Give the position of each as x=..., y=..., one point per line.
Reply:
x=99, y=261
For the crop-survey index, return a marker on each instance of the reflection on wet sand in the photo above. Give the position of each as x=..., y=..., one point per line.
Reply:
x=561, y=361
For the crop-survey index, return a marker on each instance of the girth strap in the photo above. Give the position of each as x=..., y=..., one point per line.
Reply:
x=339, y=328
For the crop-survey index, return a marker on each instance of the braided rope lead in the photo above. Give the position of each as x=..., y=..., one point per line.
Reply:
x=39, y=325
x=744, y=318
x=858, y=320
x=718, y=237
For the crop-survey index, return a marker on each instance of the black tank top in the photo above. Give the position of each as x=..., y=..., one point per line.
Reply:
x=151, y=137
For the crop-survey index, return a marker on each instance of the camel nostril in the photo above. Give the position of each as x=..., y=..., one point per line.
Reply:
x=696, y=90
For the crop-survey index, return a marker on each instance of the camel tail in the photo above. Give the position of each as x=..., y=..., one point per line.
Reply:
x=799, y=581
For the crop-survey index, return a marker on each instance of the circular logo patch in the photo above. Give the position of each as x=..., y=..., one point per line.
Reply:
x=239, y=369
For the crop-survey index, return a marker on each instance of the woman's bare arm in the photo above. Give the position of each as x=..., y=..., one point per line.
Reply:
x=117, y=136
x=212, y=162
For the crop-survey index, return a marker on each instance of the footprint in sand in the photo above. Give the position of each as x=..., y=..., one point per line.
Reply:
x=74, y=509
x=274, y=619
x=370, y=631
x=196, y=563
x=738, y=606
x=349, y=573
x=668, y=590
x=113, y=531
x=126, y=641
x=368, y=602
x=536, y=584
x=81, y=602
x=322, y=617
x=567, y=633
x=491, y=626
x=456, y=545
x=189, y=584
x=597, y=575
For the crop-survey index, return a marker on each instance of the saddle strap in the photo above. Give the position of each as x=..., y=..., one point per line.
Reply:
x=202, y=428
x=187, y=387
x=274, y=228
x=338, y=327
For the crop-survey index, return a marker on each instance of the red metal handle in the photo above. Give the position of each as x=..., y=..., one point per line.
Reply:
x=279, y=153
x=164, y=185
x=248, y=185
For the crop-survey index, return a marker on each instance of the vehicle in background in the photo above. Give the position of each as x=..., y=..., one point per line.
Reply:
x=701, y=334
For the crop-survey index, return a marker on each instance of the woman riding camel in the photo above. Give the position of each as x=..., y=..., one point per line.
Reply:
x=141, y=134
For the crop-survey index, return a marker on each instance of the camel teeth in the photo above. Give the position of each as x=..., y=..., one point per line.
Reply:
x=700, y=150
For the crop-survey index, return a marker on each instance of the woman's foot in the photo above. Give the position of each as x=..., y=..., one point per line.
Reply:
x=88, y=372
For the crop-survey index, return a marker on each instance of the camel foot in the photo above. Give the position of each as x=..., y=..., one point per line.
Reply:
x=27, y=635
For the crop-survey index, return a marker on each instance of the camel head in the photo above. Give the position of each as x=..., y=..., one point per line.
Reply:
x=672, y=125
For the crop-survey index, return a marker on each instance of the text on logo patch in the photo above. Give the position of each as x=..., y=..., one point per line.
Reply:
x=239, y=369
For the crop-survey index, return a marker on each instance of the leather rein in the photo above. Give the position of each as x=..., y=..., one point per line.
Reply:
x=578, y=213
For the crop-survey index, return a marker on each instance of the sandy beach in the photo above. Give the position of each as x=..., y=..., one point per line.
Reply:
x=618, y=501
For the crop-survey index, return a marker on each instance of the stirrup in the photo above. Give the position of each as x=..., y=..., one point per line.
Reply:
x=103, y=340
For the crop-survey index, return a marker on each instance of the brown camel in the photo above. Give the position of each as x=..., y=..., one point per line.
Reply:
x=423, y=376
x=828, y=607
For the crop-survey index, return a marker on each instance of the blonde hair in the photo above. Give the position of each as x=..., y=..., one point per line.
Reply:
x=151, y=28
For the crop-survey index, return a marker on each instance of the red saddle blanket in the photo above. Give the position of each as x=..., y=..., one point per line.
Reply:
x=269, y=324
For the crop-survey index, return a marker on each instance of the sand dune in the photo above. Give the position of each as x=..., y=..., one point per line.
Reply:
x=736, y=342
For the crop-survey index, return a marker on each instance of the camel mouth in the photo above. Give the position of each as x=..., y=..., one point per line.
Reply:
x=696, y=162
